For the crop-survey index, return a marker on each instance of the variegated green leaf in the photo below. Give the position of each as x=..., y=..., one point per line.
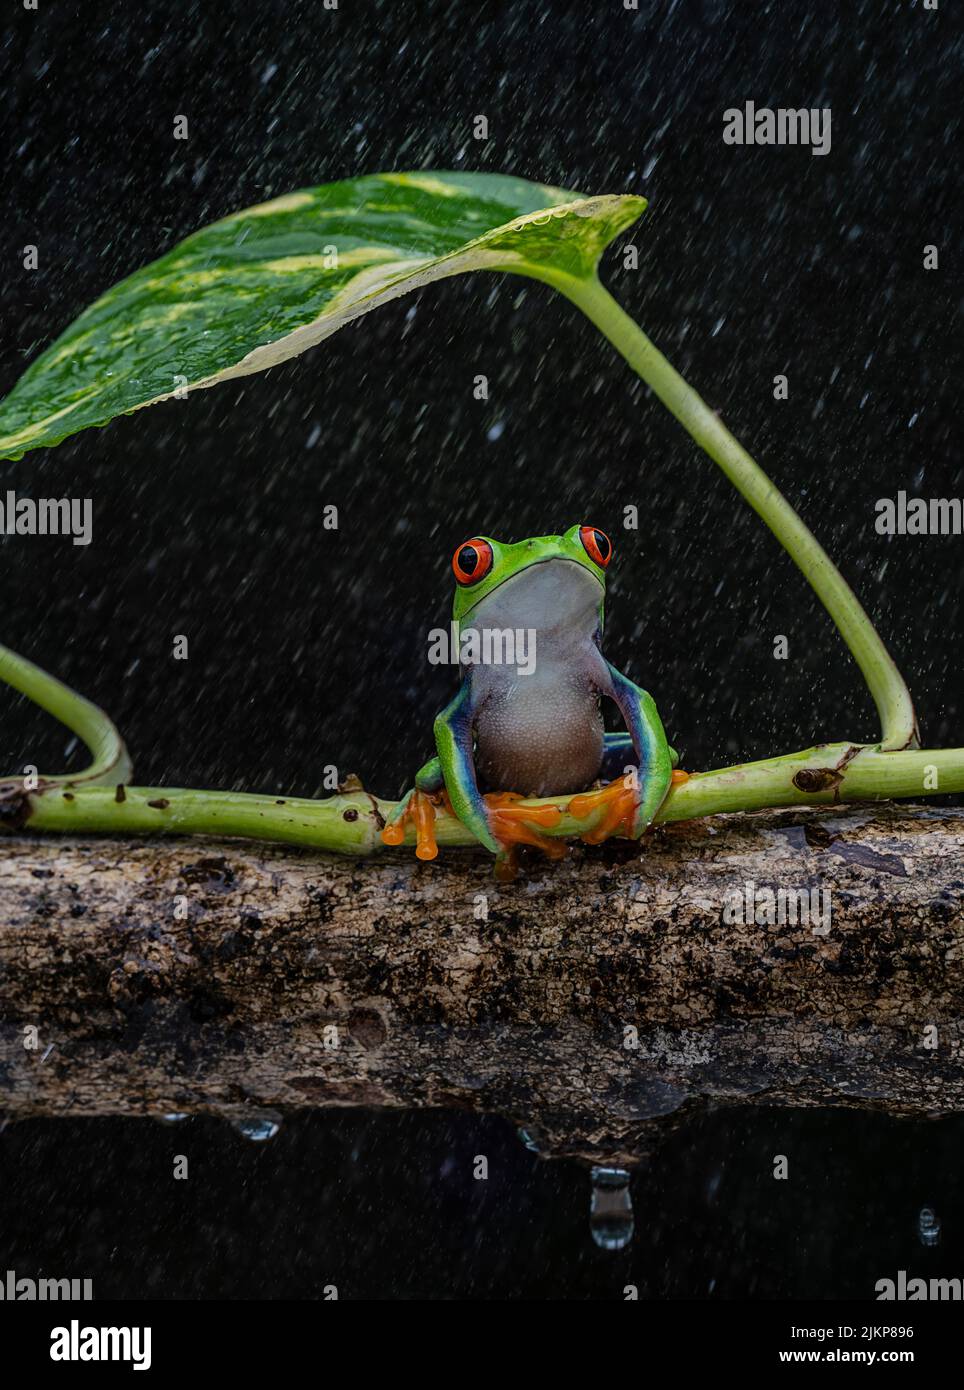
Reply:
x=263, y=285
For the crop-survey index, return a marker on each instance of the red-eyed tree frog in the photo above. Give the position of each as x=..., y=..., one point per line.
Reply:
x=526, y=721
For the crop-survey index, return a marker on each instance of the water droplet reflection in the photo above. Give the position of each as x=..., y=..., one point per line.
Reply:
x=531, y=1139
x=611, y=1210
x=257, y=1128
x=929, y=1226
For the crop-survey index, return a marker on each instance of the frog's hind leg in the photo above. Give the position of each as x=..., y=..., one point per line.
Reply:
x=429, y=778
x=618, y=757
x=417, y=807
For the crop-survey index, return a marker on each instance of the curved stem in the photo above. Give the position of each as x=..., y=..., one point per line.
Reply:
x=886, y=685
x=110, y=762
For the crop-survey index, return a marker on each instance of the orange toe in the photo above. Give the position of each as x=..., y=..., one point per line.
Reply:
x=679, y=776
x=425, y=845
x=394, y=834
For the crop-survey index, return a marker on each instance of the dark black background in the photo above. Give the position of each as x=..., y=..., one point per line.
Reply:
x=307, y=646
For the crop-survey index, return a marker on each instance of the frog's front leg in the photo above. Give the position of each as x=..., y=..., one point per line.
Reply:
x=629, y=804
x=495, y=820
x=455, y=743
x=451, y=774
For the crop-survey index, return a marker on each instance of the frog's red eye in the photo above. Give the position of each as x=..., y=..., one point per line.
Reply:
x=597, y=545
x=472, y=561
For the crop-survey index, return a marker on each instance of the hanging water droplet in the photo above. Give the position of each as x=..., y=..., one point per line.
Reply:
x=257, y=1128
x=929, y=1226
x=611, y=1210
x=174, y=1117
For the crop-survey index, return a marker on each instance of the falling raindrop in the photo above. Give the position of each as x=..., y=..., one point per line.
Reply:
x=611, y=1210
x=929, y=1226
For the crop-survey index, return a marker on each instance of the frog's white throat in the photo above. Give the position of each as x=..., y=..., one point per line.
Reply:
x=557, y=598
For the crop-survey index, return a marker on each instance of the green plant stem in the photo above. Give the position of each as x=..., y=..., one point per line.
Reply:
x=886, y=685
x=349, y=824
x=344, y=824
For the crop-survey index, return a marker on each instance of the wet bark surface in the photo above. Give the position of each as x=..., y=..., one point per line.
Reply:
x=594, y=1002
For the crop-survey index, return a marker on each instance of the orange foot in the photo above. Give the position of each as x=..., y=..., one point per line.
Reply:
x=419, y=812
x=512, y=825
x=618, y=802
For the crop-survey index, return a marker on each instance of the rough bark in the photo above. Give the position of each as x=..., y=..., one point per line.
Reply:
x=442, y=988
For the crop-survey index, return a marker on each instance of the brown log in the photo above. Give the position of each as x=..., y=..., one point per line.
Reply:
x=234, y=978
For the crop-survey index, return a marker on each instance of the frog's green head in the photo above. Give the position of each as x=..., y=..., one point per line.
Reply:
x=482, y=564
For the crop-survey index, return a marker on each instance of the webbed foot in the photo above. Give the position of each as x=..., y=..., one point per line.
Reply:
x=514, y=825
x=618, y=803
